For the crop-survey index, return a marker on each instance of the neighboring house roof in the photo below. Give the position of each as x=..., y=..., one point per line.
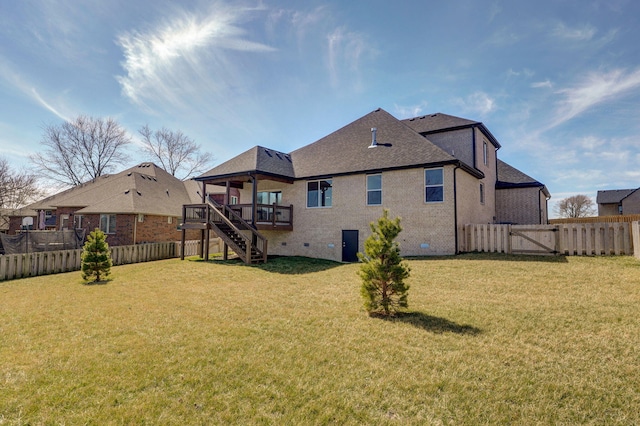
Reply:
x=613, y=196
x=510, y=177
x=145, y=189
x=256, y=160
x=439, y=122
x=344, y=151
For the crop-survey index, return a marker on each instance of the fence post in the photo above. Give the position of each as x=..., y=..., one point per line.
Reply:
x=635, y=234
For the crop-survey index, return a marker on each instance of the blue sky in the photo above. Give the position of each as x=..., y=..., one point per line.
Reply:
x=557, y=82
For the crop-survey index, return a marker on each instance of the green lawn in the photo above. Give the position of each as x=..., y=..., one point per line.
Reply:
x=488, y=339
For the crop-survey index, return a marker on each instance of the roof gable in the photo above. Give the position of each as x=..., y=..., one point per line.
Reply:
x=347, y=150
x=436, y=122
x=145, y=188
x=439, y=122
x=510, y=177
x=255, y=160
x=613, y=196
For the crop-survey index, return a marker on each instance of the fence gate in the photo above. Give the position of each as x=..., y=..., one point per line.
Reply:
x=534, y=239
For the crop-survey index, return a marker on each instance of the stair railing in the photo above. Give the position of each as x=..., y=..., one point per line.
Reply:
x=257, y=242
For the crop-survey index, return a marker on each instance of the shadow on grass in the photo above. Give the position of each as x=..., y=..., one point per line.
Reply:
x=290, y=265
x=101, y=282
x=433, y=324
x=497, y=257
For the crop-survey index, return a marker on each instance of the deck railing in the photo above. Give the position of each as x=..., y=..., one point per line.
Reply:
x=268, y=216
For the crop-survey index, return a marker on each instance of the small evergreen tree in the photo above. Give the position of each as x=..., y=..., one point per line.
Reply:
x=383, y=271
x=96, y=257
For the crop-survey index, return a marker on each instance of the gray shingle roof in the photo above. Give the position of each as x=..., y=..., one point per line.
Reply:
x=613, y=196
x=438, y=121
x=510, y=177
x=257, y=159
x=145, y=188
x=347, y=149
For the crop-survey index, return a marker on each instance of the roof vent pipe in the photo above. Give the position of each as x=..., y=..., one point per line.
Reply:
x=374, y=142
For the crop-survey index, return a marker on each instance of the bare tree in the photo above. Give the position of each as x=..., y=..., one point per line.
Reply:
x=17, y=189
x=81, y=150
x=575, y=206
x=175, y=151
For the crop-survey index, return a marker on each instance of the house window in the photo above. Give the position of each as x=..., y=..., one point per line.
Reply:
x=374, y=190
x=266, y=197
x=234, y=200
x=77, y=221
x=319, y=193
x=64, y=221
x=108, y=223
x=434, y=185
x=482, y=193
x=484, y=152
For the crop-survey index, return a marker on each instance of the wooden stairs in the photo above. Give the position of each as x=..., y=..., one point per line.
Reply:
x=248, y=244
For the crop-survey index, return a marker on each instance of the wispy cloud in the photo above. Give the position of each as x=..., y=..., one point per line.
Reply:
x=345, y=53
x=18, y=81
x=596, y=88
x=542, y=84
x=583, y=33
x=179, y=58
x=479, y=103
x=409, y=111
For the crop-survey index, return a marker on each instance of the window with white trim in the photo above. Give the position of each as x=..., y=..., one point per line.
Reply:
x=108, y=223
x=319, y=193
x=374, y=190
x=485, y=153
x=77, y=221
x=434, y=185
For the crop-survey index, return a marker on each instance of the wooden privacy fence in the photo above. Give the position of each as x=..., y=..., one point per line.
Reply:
x=52, y=262
x=597, y=219
x=571, y=239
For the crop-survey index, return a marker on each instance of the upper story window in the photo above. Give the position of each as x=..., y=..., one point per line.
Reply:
x=268, y=197
x=485, y=152
x=319, y=193
x=108, y=223
x=482, y=193
x=434, y=185
x=374, y=190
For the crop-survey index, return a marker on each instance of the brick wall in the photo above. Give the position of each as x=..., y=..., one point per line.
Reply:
x=428, y=228
x=631, y=204
x=522, y=206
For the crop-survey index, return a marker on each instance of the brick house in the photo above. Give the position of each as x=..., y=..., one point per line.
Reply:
x=618, y=201
x=437, y=172
x=138, y=205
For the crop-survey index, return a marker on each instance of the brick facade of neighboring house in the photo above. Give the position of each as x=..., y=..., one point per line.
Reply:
x=145, y=202
x=436, y=172
x=618, y=201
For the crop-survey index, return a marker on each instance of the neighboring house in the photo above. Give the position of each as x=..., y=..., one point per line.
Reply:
x=520, y=199
x=618, y=201
x=141, y=204
x=437, y=172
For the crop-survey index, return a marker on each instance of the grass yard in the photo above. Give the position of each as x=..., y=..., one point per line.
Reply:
x=488, y=340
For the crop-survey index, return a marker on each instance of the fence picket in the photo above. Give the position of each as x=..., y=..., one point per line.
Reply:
x=571, y=239
x=14, y=266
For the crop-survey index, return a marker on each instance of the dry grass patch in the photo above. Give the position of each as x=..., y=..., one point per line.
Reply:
x=488, y=339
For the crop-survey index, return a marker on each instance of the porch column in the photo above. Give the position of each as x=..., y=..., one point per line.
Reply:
x=228, y=193
x=204, y=192
x=254, y=197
